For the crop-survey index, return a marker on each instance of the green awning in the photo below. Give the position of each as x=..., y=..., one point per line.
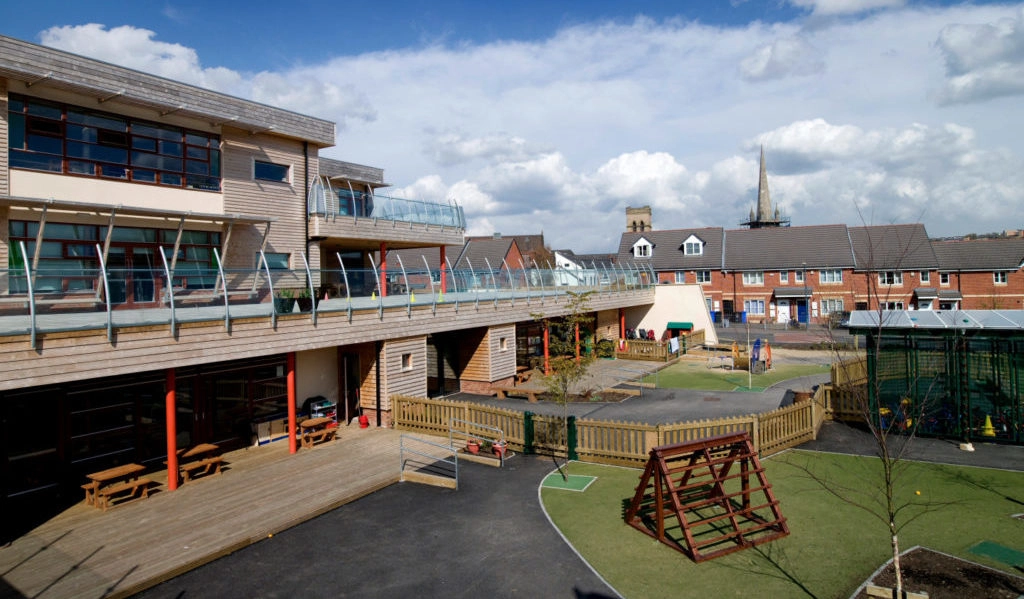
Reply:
x=686, y=326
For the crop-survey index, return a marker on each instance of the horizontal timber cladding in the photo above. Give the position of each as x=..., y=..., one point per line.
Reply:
x=607, y=324
x=367, y=353
x=502, y=343
x=395, y=232
x=5, y=188
x=405, y=367
x=73, y=356
x=283, y=202
x=474, y=355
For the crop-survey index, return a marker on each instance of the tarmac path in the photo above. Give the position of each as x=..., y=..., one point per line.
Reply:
x=491, y=538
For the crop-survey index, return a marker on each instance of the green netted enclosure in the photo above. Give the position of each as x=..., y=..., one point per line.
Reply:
x=960, y=372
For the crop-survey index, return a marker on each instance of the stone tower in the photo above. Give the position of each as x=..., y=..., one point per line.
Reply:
x=638, y=219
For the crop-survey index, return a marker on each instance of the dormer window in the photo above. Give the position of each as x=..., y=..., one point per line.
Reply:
x=693, y=246
x=642, y=248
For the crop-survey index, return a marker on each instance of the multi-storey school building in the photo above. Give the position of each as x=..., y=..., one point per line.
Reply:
x=180, y=266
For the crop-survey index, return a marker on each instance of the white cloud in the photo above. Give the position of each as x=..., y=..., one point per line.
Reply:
x=562, y=134
x=845, y=7
x=781, y=58
x=135, y=48
x=983, y=61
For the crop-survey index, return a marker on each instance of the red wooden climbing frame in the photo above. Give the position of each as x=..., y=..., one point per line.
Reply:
x=717, y=509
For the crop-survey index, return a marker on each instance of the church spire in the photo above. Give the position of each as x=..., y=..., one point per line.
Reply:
x=764, y=200
x=762, y=216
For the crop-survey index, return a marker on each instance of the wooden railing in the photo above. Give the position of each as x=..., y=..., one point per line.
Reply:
x=635, y=349
x=609, y=442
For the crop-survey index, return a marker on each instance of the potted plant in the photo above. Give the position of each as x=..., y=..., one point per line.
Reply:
x=485, y=446
x=499, y=448
x=284, y=303
x=473, y=445
x=305, y=300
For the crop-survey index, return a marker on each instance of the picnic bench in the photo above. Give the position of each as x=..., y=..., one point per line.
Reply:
x=314, y=430
x=104, y=485
x=204, y=456
x=523, y=374
x=529, y=394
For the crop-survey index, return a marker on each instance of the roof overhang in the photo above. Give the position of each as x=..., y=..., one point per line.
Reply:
x=792, y=292
x=926, y=292
x=951, y=320
x=107, y=210
x=685, y=326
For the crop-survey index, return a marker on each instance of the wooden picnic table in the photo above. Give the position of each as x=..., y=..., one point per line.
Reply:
x=105, y=483
x=316, y=429
x=203, y=456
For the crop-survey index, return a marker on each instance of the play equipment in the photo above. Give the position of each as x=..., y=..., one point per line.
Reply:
x=716, y=509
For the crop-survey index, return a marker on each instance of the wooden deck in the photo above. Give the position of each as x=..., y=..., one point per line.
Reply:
x=84, y=552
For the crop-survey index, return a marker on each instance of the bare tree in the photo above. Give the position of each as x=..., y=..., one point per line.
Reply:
x=892, y=426
x=567, y=365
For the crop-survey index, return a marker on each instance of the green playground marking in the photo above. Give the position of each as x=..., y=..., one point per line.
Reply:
x=1000, y=553
x=576, y=482
x=750, y=389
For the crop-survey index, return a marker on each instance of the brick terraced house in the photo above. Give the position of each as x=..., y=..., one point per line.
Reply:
x=805, y=274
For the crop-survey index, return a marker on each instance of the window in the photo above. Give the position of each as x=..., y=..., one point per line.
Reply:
x=831, y=305
x=68, y=260
x=642, y=248
x=890, y=277
x=892, y=305
x=798, y=276
x=944, y=278
x=77, y=141
x=926, y=276
x=999, y=278
x=268, y=171
x=406, y=362
x=503, y=344
x=830, y=275
x=753, y=278
x=680, y=277
x=753, y=306
x=703, y=276
x=784, y=276
x=694, y=249
x=275, y=261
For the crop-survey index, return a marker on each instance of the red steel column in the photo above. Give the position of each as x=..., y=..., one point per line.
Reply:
x=444, y=265
x=577, y=343
x=622, y=323
x=547, y=364
x=170, y=404
x=291, y=403
x=383, y=269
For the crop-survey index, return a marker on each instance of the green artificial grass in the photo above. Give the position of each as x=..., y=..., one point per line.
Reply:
x=575, y=482
x=696, y=375
x=832, y=548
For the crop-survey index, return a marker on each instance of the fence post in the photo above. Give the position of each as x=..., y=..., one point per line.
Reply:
x=757, y=433
x=527, y=433
x=570, y=442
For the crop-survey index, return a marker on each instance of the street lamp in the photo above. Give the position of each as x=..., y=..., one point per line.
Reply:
x=807, y=299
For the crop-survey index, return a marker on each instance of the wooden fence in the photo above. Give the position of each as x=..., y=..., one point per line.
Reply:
x=844, y=398
x=608, y=442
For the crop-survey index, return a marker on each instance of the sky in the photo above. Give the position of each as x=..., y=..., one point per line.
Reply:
x=553, y=117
